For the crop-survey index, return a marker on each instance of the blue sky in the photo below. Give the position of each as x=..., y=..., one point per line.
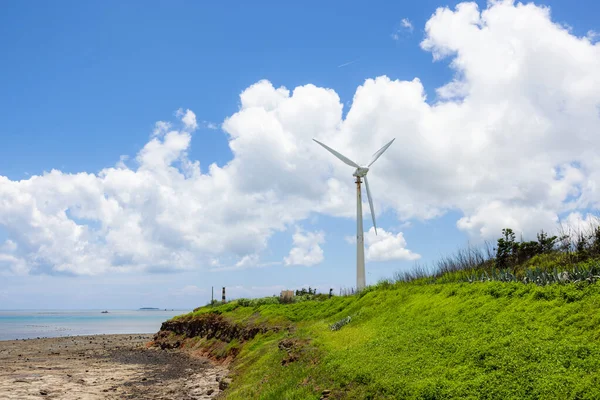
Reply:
x=83, y=83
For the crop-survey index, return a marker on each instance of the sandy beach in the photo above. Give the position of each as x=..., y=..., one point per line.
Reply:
x=103, y=367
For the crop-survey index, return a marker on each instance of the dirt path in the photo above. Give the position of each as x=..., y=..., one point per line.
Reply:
x=103, y=367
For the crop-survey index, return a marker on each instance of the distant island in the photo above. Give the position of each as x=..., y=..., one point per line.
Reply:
x=149, y=308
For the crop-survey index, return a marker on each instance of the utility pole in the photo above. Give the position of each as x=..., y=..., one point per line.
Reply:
x=212, y=295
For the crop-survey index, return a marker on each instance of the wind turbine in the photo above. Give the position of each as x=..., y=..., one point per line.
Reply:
x=360, y=172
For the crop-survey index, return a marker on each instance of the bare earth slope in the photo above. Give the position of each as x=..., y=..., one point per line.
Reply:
x=103, y=367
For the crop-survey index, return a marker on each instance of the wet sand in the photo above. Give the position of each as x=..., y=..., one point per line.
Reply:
x=103, y=367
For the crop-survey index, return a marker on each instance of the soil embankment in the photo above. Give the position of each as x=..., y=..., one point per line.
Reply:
x=210, y=335
x=208, y=326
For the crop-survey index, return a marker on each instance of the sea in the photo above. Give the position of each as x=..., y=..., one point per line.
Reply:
x=31, y=324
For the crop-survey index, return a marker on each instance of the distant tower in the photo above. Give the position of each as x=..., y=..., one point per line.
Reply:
x=223, y=299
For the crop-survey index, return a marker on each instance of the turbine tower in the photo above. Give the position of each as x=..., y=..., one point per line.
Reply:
x=360, y=172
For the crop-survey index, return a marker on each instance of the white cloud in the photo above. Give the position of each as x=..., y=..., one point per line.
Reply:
x=188, y=118
x=121, y=163
x=578, y=221
x=535, y=88
x=247, y=261
x=489, y=220
x=385, y=246
x=407, y=24
x=575, y=224
x=510, y=140
x=306, y=250
x=9, y=259
x=592, y=35
x=405, y=224
x=162, y=127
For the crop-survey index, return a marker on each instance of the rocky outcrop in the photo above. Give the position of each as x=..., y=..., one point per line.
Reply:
x=209, y=326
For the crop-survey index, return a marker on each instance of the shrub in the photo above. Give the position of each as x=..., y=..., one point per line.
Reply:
x=258, y=302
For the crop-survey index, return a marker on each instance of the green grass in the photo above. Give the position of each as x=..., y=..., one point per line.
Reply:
x=489, y=340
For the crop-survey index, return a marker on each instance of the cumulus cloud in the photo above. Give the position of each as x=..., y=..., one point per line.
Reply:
x=385, y=246
x=307, y=250
x=510, y=140
x=10, y=260
x=159, y=216
x=576, y=224
x=489, y=219
x=188, y=118
x=578, y=221
x=162, y=127
x=525, y=159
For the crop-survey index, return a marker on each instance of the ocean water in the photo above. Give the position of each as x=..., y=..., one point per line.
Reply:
x=28, y=324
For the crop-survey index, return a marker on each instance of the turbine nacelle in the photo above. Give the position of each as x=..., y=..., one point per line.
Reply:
x=361, y=172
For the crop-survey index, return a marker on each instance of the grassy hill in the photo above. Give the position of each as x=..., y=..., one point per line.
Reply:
x=518, y=324
x=488, y=340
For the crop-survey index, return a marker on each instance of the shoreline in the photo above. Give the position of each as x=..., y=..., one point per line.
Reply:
x=76, y=336
x=51, y=323
x=106, y=366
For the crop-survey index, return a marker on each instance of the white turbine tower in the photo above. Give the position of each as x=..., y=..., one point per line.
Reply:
x=361, y=172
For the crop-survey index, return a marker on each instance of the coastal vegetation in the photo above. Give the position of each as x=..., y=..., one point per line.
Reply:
x=518, y=320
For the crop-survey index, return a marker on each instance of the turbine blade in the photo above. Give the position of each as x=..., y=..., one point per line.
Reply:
x=371, y=203
x=380, y=152
x=338, y=155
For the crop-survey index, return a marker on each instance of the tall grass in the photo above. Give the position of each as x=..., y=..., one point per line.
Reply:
x=572, y=255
